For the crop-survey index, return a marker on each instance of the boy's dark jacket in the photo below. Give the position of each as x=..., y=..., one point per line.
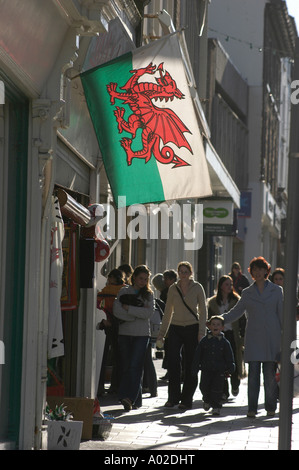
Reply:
x=213, y=353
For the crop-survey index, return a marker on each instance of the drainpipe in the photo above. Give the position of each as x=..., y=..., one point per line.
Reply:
x=44, y=302
x=289, y=340
x=51, y=117
x=44, y=115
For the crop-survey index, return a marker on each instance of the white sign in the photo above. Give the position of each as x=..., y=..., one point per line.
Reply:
x=218, y=212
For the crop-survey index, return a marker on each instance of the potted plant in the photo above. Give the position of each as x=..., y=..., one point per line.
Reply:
x=63, y=433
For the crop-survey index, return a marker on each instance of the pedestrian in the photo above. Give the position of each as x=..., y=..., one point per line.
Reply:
x=263, y=303
x=214, y=357
x=150, y=381
x=277, y=276
x=128, y=271
x=158, y=282
x=105, y=300
x=220, y=303
x=169, y=277
x=184, y=320
x=159, y=285
x=134, y=312
x=240, y=281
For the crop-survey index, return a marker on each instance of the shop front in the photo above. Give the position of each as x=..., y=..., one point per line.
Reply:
x=48, y=143
x=13, y=162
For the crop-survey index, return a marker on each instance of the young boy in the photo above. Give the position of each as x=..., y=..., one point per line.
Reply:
x=214, y=357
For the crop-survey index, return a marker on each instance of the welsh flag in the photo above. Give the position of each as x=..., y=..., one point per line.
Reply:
x=146, y=126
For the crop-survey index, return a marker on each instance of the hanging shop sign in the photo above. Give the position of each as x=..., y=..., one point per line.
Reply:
x=70, y=287
x=245, y=209
x=218, y=216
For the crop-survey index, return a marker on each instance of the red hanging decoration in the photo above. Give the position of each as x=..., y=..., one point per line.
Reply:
x=102, y=250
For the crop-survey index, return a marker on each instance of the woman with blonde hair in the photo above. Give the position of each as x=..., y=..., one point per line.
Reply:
x=184, y=320
x=133, y=307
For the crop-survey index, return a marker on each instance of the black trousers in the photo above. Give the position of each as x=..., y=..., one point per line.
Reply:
x=149, y=372
x=178, y=337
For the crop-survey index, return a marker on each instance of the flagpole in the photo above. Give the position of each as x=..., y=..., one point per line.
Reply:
x=177, y=31
x=290, y=281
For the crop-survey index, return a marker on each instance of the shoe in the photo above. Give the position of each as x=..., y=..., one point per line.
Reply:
x=127, y=404
x=165, y=377
x=235, y=393
x=101, y=391
x=206, y=406
x=271, y=413
x=184, y=407
x=251, y=414
x=216, y=411
x=154, y=394
x=169, y=404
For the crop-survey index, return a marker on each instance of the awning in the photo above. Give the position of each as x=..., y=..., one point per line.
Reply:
x=222, y=183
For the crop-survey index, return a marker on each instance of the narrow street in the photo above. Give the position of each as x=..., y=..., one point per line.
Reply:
x=153, y=427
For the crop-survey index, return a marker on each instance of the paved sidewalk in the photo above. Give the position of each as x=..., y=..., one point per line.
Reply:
x=155, y=428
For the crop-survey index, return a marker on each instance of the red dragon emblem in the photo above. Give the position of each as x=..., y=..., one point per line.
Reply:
x=157, y=124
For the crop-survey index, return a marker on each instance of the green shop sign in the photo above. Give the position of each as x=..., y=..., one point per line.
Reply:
x=219, y=212
x=218, y=217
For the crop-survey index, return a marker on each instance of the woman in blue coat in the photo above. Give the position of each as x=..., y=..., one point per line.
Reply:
x=262, y=302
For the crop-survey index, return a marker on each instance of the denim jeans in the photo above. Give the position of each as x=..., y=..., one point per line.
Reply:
x=131, y=350
x=179, y=337
x=270, y=385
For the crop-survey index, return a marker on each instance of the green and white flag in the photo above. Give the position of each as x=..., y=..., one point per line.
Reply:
x=146, y=126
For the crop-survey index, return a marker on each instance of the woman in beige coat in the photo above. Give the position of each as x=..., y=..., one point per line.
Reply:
x=184, y=320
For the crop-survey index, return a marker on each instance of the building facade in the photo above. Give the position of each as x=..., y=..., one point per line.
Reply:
x=259, y=38
x=48, y=147
x=47, y=143
x=161, y=17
